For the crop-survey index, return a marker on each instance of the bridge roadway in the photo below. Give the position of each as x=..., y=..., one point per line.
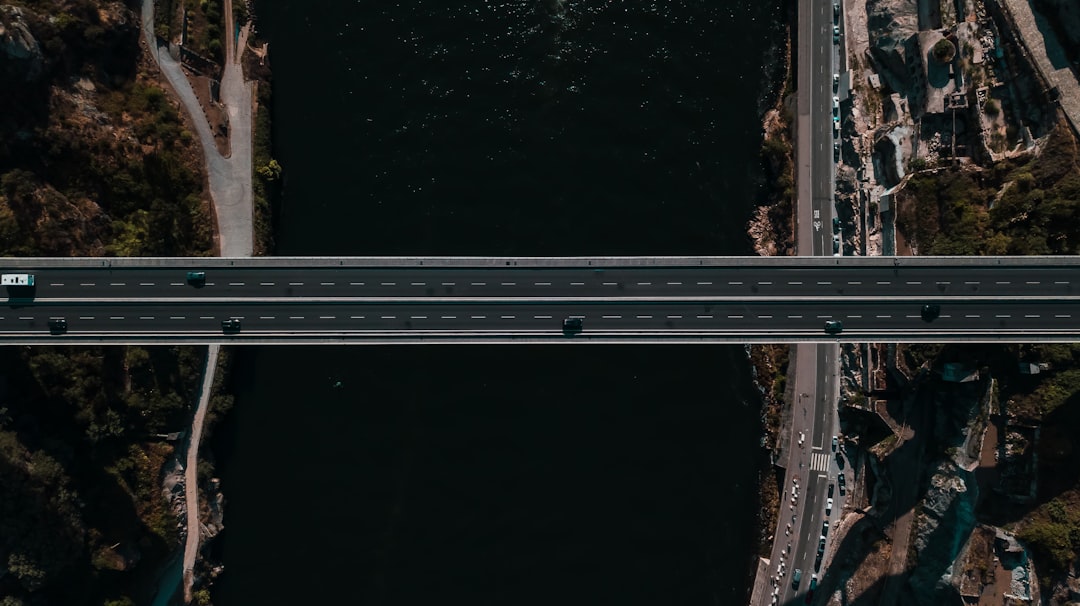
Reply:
x=621, y=300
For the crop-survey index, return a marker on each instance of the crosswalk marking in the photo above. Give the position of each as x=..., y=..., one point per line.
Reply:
x=819, y=461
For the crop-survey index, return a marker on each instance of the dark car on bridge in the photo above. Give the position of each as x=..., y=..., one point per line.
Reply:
x=930, y=312
x=196, y=278
x=57, y=326
x=232, y=325
x=834, y=327
x=571, y=326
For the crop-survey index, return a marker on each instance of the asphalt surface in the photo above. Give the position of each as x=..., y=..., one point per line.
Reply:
x=930, y=283
x=865, y=319
x=813, y=413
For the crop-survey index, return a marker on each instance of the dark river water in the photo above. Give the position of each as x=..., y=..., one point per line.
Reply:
x=503, y=475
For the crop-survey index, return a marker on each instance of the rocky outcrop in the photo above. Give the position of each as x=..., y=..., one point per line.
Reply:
x=946, y=520
x=892, y=24
x=20, y=54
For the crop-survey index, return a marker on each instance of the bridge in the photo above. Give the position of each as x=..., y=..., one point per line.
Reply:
x=398, y=300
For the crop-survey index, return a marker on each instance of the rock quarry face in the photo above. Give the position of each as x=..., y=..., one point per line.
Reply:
x=20, y=53
x=891, y=25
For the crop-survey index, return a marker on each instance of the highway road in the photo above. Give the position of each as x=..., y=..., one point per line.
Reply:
x=815, y=367
x=929, y=282
x=739, y=321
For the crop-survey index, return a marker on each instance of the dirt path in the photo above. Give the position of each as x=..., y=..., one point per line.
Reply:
x=231, y=191
x=191, y=472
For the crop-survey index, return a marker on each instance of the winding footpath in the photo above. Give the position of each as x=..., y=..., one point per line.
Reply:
x=231, y=192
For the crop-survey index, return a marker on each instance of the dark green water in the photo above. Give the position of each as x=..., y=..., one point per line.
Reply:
x=503, y=475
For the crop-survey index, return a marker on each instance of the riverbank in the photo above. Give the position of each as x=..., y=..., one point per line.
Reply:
x=772, y=231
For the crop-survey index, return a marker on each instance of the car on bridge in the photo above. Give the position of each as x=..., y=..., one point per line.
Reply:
x=230, y=326
x=930, y=312
x=572, y=326
x=196, y=278
x=57, y=326
x=834, y=327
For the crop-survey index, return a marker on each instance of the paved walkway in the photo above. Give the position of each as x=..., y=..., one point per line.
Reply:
x=1048, y=56
x=229, y=178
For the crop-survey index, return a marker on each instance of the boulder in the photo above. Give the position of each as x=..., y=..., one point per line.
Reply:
x=20, y=54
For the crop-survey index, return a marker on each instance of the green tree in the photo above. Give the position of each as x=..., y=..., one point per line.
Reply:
x=270, y=172
x=30, y=575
